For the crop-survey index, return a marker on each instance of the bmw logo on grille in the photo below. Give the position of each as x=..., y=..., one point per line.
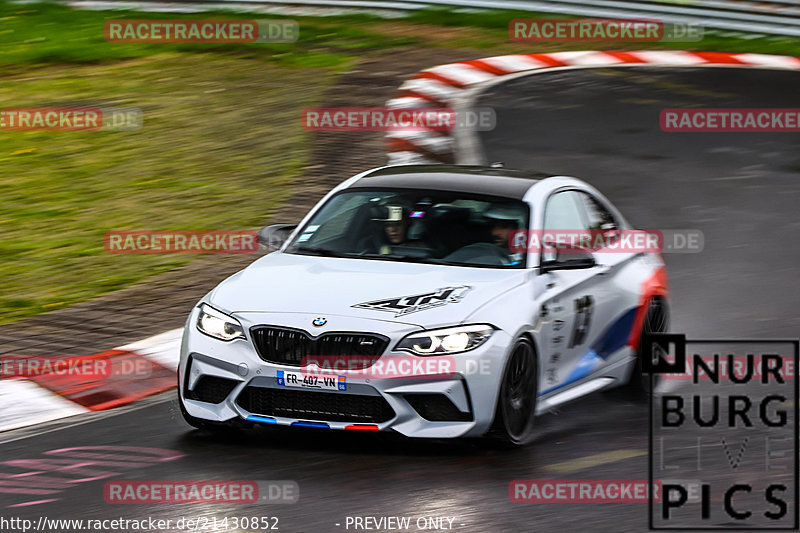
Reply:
x=319, y=321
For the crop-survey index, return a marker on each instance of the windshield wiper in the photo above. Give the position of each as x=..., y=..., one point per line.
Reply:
x=424, y=260
x=405, y=258
x=315, y=250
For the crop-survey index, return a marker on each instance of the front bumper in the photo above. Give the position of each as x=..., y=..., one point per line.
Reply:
x=460, y=402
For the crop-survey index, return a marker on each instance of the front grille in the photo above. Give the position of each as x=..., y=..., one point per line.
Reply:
x=323, y=406
x=287, y=346
x=436, y=408
x=211, y=389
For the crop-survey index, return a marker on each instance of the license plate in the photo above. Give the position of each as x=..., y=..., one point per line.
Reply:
x=311, y=381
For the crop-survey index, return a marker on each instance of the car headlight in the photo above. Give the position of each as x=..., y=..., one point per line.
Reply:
x=218, y=325
x=446, y=341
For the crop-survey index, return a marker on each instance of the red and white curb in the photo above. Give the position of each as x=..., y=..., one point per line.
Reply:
x=36, y=400
x=444, y=85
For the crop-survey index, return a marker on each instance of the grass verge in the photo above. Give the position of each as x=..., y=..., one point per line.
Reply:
x=220, y=148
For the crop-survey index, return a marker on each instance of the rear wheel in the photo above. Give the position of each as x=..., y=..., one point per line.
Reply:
x=516, y=403
x=655, y=321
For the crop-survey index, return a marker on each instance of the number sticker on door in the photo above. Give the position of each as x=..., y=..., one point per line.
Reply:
x=583, y=318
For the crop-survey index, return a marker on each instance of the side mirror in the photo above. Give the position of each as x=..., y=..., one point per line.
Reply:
x=569, y=258
x=275, y=235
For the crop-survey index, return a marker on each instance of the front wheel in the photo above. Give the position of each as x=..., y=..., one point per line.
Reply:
x=516, y=403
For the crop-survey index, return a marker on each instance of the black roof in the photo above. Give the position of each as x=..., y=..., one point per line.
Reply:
x=469, y=179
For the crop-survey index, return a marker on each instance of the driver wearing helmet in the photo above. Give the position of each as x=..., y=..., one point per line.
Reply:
x=395, y=229
x=505, y=222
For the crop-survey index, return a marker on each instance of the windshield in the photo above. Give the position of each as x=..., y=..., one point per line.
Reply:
x=419, y=226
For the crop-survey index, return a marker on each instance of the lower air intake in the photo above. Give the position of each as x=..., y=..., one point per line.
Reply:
x=323, y=406
x=211, y=389
x=436, y=408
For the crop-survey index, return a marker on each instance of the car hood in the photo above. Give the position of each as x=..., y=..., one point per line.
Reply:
x=409, y=293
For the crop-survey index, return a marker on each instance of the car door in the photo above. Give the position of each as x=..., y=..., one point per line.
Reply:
x=574, y=301
x=612, y=324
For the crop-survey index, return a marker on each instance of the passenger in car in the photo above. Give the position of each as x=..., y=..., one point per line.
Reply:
x=504, y=222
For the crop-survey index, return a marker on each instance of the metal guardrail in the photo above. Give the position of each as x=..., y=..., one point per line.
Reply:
x=773, y=17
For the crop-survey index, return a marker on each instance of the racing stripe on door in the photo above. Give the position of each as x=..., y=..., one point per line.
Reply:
x=614, y=338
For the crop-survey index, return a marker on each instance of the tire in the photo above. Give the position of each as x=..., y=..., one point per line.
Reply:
x=655, y=321
x=516, y=402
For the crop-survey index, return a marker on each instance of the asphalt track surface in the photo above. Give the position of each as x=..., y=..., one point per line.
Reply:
x=741, y=190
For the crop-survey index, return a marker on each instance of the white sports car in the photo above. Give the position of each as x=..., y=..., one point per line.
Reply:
x=401, y=302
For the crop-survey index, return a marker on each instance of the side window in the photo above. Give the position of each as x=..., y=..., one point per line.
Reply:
x=563, y=212
x=598, y=216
